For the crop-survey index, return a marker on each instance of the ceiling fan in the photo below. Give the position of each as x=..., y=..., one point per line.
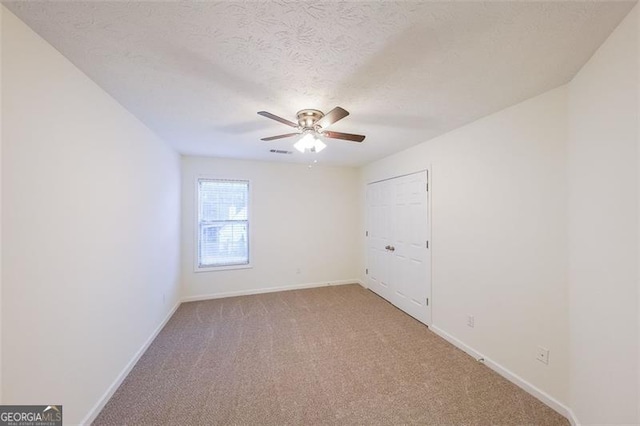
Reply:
x=313, y=123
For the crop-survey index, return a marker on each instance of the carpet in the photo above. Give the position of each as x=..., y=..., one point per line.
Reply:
x=329, y=355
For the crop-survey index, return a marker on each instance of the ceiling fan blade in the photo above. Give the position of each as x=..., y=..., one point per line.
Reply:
x=332, y=116
x=346, y=136
x=275, y=117
x=271, y=138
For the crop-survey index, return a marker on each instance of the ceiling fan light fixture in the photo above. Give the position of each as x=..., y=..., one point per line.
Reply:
x=309, y=142
x=319, y=145
x=305, y=142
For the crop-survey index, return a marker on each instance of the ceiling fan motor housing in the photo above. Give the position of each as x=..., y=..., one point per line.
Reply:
x=307, y=118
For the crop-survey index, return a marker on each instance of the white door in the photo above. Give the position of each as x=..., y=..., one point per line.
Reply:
x=379, y=237
x=410, y=259
x=398, y=247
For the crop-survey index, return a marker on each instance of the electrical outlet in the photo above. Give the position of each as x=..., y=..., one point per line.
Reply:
x=543, y=355
x=471, y=322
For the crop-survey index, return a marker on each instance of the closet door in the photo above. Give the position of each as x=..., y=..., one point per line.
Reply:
x=398, y=258
x=410, y=269
x=379, y=236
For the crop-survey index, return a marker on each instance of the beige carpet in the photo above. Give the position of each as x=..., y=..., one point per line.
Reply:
x=332, y=355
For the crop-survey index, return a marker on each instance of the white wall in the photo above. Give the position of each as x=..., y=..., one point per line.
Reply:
x=90, y=214
x=499, y=235
x=301, y=218
x=603, y=231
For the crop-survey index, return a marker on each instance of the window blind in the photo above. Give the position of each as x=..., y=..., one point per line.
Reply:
x=223, y=222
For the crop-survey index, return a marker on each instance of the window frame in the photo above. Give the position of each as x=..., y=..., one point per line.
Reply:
x=196, y=223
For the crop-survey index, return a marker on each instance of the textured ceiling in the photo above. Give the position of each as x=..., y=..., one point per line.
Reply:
x=197, y=72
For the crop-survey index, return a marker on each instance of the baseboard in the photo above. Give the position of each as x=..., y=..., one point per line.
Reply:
x=509, y=375
x=267, y=290
x=362, y=283
x=93, y=413
x=572, y=418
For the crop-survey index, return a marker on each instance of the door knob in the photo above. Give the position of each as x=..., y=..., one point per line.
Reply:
x=387, y=247
x=392, y=248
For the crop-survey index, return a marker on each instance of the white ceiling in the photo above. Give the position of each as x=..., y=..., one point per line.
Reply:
x=197, y=72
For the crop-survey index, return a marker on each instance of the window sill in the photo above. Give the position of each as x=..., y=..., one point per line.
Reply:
x=221, y=268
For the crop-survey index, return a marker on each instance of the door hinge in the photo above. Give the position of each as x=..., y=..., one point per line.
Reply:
x=427, y=185
x=427, y=301
x=366, y=271
x=366, y=234
x=427, y=244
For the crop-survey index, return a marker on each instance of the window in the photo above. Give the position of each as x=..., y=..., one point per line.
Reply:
x=223, y=224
